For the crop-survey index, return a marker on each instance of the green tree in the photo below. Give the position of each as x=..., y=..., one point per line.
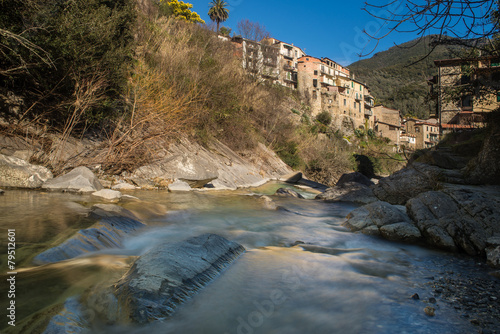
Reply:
x=181, y=10
x=224, y=31
x=218, y=12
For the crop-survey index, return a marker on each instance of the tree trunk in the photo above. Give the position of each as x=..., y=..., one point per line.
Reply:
x=218, y=27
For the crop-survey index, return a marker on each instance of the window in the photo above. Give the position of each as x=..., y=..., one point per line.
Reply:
x=315, y=95
x=296, y=54
x=356, y=95
x=348, y=92
x=345, y=101
x=315, y=73
x=354, y=105
x=498, y=96
x=352, y=84
x=315, y=82
x=427, y=128
x=360, y=107
x=307, y=59
x=467, y=102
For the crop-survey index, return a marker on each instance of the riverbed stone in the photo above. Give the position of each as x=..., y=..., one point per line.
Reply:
x=71, y=319
x=171, y=272
x=80, y=179
x=2, y=192
x=18, y=173
x=407, y=183
x=179, y=185
x=493, y=251
x=108, y=232
x=286, y=192
x=108, y=194
x=457, y=218
x=124, y=186
x=383, y=219
x=354, y=177
x=349, y=192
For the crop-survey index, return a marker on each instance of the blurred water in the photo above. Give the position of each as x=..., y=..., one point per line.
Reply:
x=341, y=283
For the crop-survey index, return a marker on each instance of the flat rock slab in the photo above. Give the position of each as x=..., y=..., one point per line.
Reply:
x=107, y=233
x=80, y=179
x=179, y=186
x=108, y=194
x=169, y=273
x=18, y=173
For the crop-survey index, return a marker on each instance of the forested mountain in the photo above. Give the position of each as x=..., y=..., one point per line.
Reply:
x=397, y=78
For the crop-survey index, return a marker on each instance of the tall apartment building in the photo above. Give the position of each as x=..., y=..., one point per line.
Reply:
x=260, y=59
x=466, y=111
x=329, y=87
x=288, y=59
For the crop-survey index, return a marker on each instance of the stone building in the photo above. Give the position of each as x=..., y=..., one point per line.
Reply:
x=260, y=59
x=329, y=87
x=289, y=55
x=387, y=123
x=426, y=132
x=467, y=110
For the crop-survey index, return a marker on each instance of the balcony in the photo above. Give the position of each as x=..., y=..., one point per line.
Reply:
x=291, y=79
x=368, y=112
x=287, y=67
x=359, y=97
x=286, y=54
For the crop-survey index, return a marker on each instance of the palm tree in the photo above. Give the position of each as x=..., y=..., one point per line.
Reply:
x=218, y=12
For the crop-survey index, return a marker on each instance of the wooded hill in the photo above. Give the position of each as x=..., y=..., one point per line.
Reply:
x=397, y=78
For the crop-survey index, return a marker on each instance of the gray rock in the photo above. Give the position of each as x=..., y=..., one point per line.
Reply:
x=447, y=159
x=285, y=192
x=71, y=319
x=18, y=173
x=292, y=177
x=107, y=233
x=457, y=218
x=80, y=179
x=349, y=192
x=401, y=232
x=169, y=273
x=385, y=220
x=376, y=213
x=493, y=252
x=179, y=186
x=108, y=194
x=407, y=183
x=354, y=177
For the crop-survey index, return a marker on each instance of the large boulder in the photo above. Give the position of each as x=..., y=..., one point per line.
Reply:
x=179, y=186
x=169, y=273
x=354, y=177
x=407, y=183
x=106, y=233
x=18, y=173
x=384, y=219
x=71, y=319
x=80, y=179
x=493, y=251
x=349, y=192
x=457, y=218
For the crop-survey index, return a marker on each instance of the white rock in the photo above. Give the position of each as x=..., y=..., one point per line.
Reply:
x=179, y=186
x=108, y=194
x=124, y=186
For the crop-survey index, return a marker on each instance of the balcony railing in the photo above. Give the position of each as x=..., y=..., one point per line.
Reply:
x=287, y=54
x=368, y=112
x=287, y=67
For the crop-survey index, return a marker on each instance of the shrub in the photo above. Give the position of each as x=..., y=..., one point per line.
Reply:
x=324, y=118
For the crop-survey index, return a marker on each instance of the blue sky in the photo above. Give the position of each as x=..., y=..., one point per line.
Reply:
x=332, y=29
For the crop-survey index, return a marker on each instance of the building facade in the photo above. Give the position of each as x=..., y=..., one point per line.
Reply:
x=426, y=132
x=459, y=106
x=387, y=123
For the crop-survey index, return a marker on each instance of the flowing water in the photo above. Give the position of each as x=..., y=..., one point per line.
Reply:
x=339, y=282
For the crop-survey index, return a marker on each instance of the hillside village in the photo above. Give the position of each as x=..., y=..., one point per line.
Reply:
x=328, y=86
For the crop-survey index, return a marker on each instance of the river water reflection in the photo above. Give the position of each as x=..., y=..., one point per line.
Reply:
x=340, y=282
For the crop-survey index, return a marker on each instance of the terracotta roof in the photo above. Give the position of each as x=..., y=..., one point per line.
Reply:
x=456, y=126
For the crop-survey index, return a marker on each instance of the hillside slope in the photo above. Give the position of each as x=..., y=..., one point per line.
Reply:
x=398, y=79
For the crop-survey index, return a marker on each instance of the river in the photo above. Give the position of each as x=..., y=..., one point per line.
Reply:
x=341, y=282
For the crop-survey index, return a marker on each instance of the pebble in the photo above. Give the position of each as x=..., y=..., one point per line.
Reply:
x=415, y=296
x=430, y=311
x=432, y=300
